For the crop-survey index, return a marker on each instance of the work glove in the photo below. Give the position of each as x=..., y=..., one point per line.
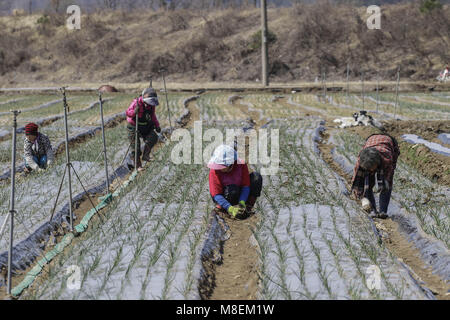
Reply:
x=242, y=204
x=366, y=205
x=235, y=211
x=40, y=170
x=158, y=129
x=49, y=163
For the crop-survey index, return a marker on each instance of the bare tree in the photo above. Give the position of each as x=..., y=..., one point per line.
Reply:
x=110, y=4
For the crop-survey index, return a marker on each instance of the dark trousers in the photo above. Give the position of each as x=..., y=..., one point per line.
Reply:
x=232, y=191
x=40, y=160
x=146, y=133
x=385, y=197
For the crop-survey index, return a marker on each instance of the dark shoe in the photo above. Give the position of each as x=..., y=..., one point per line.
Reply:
x=250, y=202
x=382, y=215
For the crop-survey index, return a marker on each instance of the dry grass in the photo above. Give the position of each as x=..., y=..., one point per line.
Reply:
x=215, y=46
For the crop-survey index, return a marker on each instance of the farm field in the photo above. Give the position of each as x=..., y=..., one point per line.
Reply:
x=159, y=238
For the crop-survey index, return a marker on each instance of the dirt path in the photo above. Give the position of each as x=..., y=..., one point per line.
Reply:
x=237, y=277
x=392, y=237
x=255, y=116
x=194, y=114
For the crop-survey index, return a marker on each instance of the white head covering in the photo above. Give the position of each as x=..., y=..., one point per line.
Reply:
x=224, y=156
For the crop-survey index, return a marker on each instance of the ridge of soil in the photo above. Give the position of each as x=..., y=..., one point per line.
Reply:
x=392, y=237
x=237, y=276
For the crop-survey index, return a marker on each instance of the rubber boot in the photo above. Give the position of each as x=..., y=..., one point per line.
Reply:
x=146, y=153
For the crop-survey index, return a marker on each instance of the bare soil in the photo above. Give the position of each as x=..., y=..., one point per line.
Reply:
x=237, y=277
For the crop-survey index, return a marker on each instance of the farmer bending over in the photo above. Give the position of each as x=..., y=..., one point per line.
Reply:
x=231, y=186
x=379, y=155
x=38, y=152
x=147, y=124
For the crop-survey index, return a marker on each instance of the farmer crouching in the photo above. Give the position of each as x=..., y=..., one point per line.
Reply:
x=378, y=156
x=38, y=152
x=147, y=124
x=231, y=186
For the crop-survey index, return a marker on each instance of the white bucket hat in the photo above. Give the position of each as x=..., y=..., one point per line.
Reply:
x=223, y=157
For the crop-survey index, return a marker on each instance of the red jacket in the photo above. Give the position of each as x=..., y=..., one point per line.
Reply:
x=131, y=116
x=239, y=176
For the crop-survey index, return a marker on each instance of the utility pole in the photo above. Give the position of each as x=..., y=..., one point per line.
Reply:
x=362, y=88
x=264, y=44
x=378, y=89
x=347, y=83
x=396, y=93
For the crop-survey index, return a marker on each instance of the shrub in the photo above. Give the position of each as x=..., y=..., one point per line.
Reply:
x=430, y=5
x=255, y=42
x=43, y=20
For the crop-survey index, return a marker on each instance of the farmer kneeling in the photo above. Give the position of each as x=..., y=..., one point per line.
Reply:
x=38, y=152
x=379, y=155
x=147, y=123
x=230, y=184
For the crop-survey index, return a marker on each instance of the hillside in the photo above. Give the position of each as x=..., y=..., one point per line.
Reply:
x=224, y=45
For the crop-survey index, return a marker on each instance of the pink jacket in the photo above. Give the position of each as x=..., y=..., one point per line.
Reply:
x=131, y=116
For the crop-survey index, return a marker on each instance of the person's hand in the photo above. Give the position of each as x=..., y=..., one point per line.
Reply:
x=242, y=204
x=49, y=163
x=235, y=210
x=158, y=129
x=40, y=170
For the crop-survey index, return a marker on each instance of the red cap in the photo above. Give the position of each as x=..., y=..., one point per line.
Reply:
x=31, y=129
